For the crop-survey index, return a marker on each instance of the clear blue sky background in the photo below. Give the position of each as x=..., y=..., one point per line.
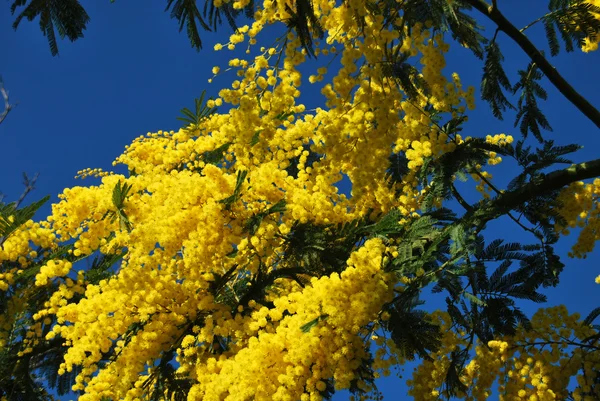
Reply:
x=134, y=71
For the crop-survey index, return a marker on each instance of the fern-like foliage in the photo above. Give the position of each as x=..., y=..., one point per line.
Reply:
x=398, y=168
x=17, y=381
x=410, y=328
x=320, y=251
x=305, y=23
x=67, y=17
x=308, y=326
x=407, y=77
x=230, y=200
x=438, y=175
x=484, y=305
x=201, y=111
x=47, y=360
x=187, y=13
x=165, y=383
x=446, y=16
x=12, y=217
x=119, y=195
x=29, y=376
x=534, y=162
x=103, y=267
x=574, y=20
x=495, y=80
x=528, y=112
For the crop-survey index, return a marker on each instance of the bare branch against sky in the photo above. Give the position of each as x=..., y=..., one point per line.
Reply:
x=7, y=106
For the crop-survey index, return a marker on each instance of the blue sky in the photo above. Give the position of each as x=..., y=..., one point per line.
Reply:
x=134, y=71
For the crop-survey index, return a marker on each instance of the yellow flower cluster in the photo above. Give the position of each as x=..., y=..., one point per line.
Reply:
x=52, y=268
x=20, y=249
x=579, y=208
x=534, y=365
x=429, y=376
x=20, y=245
x=499, y=139
x=184, y=214
x=197, y=206
x=91, y=172
x=293, y=364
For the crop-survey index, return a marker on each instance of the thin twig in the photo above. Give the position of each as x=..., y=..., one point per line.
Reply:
x=7, y=106
x=29, y=186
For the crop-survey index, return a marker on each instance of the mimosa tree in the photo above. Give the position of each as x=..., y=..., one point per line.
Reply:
x=227, y=265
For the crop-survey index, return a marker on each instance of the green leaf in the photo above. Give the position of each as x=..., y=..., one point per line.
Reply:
x=410, y=328
x=452, y=382
x=474, y=299
x=255, y=137
x=188, y=15
x=215, y=156
x=306, y=24
x=529, y=113
x=407, y=77
x=119, y=195
x=459, y=239
x=193, y=118
x=67, y=16
x=230, y=200
x=387, y=224
x=308, y=326
x=101, y=267
x=20, y=216
x=494, y=80
x=575, y=20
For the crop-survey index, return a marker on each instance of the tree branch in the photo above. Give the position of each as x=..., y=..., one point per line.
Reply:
x=536, y=56
x=508, y=201
x=7, y=106
x=551, y=182
x=491, y=209
x=460, y=199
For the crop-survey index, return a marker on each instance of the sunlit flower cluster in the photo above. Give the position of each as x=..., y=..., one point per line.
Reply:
x=224, y=197
x=183, y=222
x=535, y=364
x=579, y=209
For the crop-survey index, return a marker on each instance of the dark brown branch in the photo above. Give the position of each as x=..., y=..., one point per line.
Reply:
x=491, y=209
x=513, y=218
x=551, y=182
x=460, y=199
x=553, y=75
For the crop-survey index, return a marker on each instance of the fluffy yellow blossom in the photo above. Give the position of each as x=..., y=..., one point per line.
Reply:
x=218, y=209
